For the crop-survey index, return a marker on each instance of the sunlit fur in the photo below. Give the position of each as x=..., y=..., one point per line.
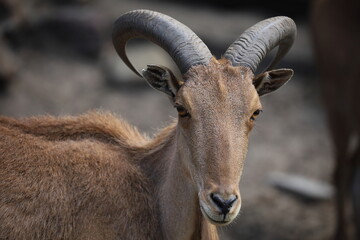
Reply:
x=96, y=177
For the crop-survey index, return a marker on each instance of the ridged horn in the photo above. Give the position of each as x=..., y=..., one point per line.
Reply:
x=256, y=42
x=182, y=44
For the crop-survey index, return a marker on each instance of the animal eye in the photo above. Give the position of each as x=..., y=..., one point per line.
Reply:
x=182, y=112
x=255, y=114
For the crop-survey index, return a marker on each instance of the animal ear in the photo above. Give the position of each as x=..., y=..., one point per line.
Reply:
x=161, y=78
x=270, y=81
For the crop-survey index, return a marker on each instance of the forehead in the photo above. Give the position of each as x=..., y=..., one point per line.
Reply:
x=219, y=83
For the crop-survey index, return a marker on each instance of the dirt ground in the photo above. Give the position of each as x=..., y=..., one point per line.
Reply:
x=290, y=136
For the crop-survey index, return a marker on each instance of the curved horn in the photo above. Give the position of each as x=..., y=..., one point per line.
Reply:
x=182, y=44
x=253, y=45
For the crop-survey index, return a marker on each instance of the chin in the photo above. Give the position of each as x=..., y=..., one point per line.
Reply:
x=216, y=217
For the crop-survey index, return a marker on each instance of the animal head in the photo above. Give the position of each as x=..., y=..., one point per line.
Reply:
x=217, y=100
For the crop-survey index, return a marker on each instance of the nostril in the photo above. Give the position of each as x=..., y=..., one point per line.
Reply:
x=232, y=199
x=217, y=200
x=223, y=204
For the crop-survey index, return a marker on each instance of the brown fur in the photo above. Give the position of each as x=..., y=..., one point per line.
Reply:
x=68, y=178
x=96, y=177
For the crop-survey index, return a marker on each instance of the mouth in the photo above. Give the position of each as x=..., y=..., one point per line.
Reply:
x=211, y=219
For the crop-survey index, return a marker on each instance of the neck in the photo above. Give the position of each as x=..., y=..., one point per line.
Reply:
x=176, y=194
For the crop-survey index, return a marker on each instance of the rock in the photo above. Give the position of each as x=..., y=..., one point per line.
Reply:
x=302, y=186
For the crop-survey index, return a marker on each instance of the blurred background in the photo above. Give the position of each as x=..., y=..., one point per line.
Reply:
x=56, y=57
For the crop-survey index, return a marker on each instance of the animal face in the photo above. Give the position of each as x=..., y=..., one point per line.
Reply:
x=216, y=108
x=217, y=105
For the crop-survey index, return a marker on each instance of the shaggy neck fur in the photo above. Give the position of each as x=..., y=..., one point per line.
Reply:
x=177, y=196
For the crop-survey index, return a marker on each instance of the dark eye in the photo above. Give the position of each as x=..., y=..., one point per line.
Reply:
x=182, y=111
x=255, y=114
